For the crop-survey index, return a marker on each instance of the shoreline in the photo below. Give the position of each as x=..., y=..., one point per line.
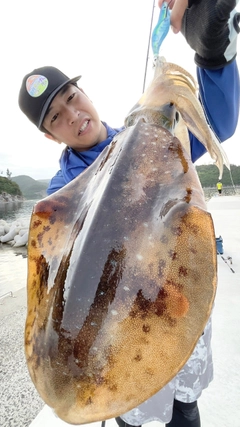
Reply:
x=9, y=198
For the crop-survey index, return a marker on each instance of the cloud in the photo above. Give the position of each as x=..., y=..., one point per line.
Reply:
x=110, y=53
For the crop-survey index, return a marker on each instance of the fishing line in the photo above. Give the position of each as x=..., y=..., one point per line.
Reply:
x=230, y=173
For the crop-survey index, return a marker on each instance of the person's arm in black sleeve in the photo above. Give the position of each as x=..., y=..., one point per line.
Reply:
x=211, y=28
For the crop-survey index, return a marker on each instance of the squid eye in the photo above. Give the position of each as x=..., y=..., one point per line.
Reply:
x=177, y=117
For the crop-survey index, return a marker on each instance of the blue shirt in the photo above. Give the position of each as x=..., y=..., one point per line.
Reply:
x=73, y=162
x=219, y=94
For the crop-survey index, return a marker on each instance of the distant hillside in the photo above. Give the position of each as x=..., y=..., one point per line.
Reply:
x=208, y=175
x=9, y=187
x=45, y=181
x=30, y=188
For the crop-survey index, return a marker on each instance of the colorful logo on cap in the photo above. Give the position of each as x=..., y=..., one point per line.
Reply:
x=36, y=85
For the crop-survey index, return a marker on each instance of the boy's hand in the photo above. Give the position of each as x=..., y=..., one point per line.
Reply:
x=178, y=8
x=210, y=27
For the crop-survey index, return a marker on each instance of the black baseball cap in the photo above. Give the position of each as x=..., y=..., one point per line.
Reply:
x=38, y=90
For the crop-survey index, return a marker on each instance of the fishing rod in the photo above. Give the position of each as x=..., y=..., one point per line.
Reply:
x=148, y=48
x=226, y=260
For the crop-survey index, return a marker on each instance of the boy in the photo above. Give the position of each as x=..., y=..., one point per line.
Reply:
x=61, y=110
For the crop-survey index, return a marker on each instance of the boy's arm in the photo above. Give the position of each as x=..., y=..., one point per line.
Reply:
x=220, y=95
x=211, y=28
x=214, y=39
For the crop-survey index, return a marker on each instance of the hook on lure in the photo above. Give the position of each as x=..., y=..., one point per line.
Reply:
x=161, y=29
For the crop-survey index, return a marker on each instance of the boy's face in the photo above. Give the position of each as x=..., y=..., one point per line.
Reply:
x=72, y=119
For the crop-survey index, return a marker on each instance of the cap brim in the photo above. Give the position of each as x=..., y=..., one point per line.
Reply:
x=51, y=96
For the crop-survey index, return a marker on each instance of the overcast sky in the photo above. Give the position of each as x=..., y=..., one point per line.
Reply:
x=105, y=41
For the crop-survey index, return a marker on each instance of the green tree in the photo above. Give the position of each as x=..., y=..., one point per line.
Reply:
x=10, y=187
x=9, y=174
x=209, y=175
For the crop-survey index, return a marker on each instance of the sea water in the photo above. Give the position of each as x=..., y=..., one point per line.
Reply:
x=13, y=261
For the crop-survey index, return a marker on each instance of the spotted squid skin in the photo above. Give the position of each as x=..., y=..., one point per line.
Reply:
x=117, y=298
